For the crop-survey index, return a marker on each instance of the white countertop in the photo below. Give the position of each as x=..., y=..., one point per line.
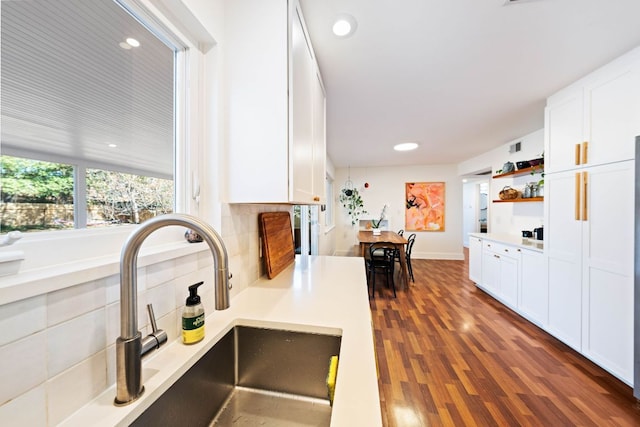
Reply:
x=519, y=241
x=317, y=294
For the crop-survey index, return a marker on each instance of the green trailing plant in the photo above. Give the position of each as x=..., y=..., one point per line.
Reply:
x=352, y=202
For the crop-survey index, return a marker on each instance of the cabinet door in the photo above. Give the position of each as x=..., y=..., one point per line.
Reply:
x=475, y=259
x=607, y=273
x=509, y=274
x=257, y=88
x=490, y=271
x=534, y=293
x=612, y=110
x=563, y=243
x=564, y=119
x=301, y=144
x=319, y=140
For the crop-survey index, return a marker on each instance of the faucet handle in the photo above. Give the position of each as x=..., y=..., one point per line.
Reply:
x=156, y=338
x=152, y=318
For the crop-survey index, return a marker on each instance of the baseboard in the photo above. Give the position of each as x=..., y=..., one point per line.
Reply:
x=450, y=256
x=343, y=253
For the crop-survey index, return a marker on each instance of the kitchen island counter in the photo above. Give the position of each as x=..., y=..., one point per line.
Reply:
x=316, y=294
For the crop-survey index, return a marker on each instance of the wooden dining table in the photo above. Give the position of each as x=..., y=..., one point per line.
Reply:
x=366, y=238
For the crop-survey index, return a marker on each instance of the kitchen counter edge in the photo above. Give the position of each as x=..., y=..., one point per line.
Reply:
x=316, y=294
x=509, y=239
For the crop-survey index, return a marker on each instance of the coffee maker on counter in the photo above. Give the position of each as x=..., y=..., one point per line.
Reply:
x=537, y=233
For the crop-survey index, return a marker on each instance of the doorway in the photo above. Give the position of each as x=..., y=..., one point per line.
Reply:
x=306, y=229
x=475, y=216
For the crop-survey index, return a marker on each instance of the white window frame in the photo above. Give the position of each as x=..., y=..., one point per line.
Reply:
x=329, y=209
x=55, y=257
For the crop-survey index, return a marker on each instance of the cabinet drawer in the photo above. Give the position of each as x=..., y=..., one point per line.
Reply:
x=501, y=249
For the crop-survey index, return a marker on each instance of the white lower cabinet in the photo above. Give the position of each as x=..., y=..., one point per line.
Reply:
x=509, y=275
x=589, y=249
x=585, y=303
x=500, y=271
x=475, y=259
x=534, y=290
x=490, y=270
x=607, y=268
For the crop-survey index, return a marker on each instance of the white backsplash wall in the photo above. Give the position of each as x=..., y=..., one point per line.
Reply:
x=57, y=351
x=509, y=218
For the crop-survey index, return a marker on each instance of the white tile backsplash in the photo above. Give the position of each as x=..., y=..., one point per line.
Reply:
x=186, y=264
x=29, y=409
x=112, y=288
x=113, y=323
x=75, y=340
x=57, y=351
x=71, y=302
x=162, y=298
x=160, y=273
x=24, y=366
x=75, y=387
x=22, y=318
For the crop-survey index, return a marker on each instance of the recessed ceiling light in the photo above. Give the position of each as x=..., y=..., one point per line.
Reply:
x=133, y=42
x=112, y=145
x=406, y=146
x=344, y=25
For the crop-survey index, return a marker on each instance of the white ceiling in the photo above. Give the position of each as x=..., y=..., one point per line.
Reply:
x=460, y=77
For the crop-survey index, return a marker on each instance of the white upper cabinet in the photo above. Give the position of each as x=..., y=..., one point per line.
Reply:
x=591, y=122
x=275, y=137
x=563, y=130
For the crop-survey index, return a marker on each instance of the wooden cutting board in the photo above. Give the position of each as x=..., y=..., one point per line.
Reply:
x=278, y=248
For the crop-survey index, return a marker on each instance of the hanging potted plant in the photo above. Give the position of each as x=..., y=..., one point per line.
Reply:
x=352, y=202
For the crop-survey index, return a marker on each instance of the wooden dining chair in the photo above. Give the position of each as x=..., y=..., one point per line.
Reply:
x=381, y=260
x=407, y=254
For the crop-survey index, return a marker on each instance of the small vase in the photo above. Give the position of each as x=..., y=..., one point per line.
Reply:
x=376, y=231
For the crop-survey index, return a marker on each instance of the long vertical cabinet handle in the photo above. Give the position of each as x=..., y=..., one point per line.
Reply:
x=577, y=154
x=585, y=151
x=577, y=198
x=585, y=175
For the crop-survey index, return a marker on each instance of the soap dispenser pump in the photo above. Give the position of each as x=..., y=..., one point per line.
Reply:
x=193, y=317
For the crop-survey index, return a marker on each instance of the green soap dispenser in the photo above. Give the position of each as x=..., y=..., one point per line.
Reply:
x=193, y=317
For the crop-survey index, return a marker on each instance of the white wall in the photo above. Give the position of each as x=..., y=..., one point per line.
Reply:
x=509, y=218
x=328, y=232
x=387, y=186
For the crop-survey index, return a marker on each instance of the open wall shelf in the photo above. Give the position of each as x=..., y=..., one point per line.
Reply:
x=530, y=199
x=530, y=170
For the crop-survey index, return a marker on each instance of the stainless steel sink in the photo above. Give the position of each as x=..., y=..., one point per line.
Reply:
x=252, y=376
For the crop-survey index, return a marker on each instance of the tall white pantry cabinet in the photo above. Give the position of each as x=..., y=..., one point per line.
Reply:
x=275, y=98
x=590, y=130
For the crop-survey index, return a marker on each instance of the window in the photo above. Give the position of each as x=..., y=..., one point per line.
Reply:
x=148, y=146
x=328, y=212
x=87, y=116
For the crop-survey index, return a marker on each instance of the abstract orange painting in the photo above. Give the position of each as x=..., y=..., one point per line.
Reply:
x=424, y=206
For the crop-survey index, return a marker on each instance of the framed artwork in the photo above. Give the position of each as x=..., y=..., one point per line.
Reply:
x=425, y=206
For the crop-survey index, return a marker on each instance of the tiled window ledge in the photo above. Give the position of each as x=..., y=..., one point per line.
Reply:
x=41, y=281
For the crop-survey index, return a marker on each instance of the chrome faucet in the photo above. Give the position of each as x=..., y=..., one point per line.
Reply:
x=130, y=347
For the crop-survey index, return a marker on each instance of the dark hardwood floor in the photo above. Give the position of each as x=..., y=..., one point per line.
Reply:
x=450, y=355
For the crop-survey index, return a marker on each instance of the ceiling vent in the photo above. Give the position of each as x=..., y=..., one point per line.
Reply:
x=506, y=2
